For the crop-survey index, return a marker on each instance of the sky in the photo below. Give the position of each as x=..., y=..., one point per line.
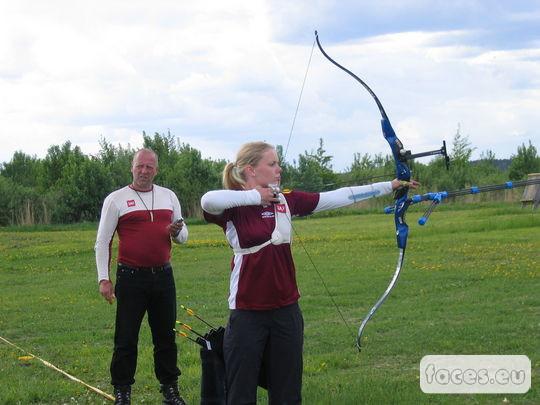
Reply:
x=216, y=74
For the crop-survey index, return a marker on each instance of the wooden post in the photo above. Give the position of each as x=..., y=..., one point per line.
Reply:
x=531, y=194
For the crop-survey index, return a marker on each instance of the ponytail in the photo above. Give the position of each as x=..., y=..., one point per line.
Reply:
x=232, y=180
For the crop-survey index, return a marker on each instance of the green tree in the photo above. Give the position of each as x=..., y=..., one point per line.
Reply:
x=486, y=171
x=55, y=161
x=195, y=177
x=315, y=169
x=22, y=169
x=289, y=172
x=459, y=174
x=363, y=167
x=524, y=162
x=117, y=160
x=367, y=169
x=82, y=189
x=20, y=205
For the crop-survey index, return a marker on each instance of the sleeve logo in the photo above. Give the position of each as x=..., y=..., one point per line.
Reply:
x=130, y=203
x=281, y=208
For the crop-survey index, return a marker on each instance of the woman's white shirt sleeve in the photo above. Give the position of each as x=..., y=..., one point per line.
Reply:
x=349, y=195
x=216, y=201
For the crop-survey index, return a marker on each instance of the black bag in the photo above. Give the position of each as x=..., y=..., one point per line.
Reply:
x=213, y=384
x=213, y=369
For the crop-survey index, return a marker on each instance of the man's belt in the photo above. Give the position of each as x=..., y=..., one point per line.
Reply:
x=152, y=269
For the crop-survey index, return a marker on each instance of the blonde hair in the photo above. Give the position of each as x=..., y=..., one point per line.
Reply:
x=249, y=155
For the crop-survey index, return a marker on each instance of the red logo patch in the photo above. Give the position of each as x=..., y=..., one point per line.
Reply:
x=130, y=203
x=281, y=208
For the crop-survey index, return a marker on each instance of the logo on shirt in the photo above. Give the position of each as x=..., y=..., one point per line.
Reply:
x=281, y=208
x=267, y=214
x=130, y=203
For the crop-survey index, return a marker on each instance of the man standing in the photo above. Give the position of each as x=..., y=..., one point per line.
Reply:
x=146, y=218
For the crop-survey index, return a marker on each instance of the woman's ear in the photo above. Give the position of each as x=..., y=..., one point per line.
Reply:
x=250, y=171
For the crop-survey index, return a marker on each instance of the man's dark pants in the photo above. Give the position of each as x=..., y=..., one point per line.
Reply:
x=138, y=291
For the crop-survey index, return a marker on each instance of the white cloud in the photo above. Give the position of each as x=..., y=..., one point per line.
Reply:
x=216, y=75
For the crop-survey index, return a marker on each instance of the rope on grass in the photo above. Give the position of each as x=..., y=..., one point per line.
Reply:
x=96, y=390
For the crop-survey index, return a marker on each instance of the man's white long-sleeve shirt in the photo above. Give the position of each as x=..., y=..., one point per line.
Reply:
x=141, y=220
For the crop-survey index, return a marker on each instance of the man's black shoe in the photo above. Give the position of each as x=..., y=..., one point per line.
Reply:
x=122, y=394
x=171, y=396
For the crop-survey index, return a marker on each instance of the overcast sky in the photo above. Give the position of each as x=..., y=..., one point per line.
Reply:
x=219, y=73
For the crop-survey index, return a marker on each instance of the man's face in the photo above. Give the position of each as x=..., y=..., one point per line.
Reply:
x=144, y=169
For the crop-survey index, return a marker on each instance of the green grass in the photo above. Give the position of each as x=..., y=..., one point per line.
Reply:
x=469, y=286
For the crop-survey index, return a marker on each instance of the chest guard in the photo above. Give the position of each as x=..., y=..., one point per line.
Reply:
x=282, y=229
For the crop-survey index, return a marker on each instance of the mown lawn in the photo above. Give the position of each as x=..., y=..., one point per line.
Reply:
x=470, y=285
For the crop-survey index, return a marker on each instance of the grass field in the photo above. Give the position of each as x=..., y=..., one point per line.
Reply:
x=470, y=285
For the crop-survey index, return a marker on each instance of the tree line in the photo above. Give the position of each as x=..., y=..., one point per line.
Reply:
x=68, y=186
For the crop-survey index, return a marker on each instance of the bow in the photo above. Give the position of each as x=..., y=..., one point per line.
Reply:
x=403, y=173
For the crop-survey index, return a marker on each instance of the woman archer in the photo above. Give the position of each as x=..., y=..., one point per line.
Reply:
x=265, y=319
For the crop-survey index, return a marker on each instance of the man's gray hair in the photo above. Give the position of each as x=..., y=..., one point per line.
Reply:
x=146, y=150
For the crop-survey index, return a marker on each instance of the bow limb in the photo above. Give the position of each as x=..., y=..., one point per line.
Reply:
x=381, y=300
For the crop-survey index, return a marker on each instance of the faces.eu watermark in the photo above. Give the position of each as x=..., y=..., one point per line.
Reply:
x=475, y=374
